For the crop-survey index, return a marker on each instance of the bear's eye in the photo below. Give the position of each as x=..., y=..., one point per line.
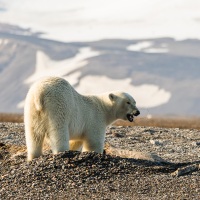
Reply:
x=128, y=102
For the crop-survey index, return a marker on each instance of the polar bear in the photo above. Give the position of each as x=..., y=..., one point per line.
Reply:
x=55, y=111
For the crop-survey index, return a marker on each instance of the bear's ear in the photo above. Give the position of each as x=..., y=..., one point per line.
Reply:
x=112, y=97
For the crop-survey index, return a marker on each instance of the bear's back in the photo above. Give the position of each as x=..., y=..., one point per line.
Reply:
x=50, y=92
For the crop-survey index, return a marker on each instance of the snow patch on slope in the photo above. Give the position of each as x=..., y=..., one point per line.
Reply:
x=146, y=95
x=146, y=47
x=3, y=41
x=45, y=66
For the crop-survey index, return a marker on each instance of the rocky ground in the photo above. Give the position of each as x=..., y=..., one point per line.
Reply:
x=169, y=169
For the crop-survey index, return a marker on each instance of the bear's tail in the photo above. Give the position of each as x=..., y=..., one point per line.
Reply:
x=38, y=101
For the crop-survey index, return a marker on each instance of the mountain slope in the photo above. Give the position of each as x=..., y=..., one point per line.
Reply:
x=162, y=74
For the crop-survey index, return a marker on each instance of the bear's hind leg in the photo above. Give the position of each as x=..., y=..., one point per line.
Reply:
x=59, y=141
x=34, y=146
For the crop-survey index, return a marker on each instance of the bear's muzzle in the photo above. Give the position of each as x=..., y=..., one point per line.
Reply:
x=130, y=117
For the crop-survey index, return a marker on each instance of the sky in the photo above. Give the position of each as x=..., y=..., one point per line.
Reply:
x=91, y=20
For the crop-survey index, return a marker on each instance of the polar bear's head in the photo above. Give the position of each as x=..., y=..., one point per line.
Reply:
x=124, y=106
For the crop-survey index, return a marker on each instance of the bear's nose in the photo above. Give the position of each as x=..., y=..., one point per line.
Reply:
x=137, y=113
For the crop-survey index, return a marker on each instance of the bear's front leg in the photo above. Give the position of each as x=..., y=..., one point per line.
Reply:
x=94, y=142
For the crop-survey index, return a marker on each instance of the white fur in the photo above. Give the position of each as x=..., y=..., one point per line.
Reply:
x=69, y=120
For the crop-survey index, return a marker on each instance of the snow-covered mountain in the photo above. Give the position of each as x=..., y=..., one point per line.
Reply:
x=162, y=74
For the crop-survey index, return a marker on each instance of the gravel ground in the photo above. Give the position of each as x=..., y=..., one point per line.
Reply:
x=74, y=175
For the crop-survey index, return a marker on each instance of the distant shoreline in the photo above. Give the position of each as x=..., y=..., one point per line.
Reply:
x=157, y=121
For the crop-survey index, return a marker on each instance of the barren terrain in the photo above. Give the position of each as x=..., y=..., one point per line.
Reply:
x=168, y=167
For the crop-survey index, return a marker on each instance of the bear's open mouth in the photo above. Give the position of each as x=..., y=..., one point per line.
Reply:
x=130, y=117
